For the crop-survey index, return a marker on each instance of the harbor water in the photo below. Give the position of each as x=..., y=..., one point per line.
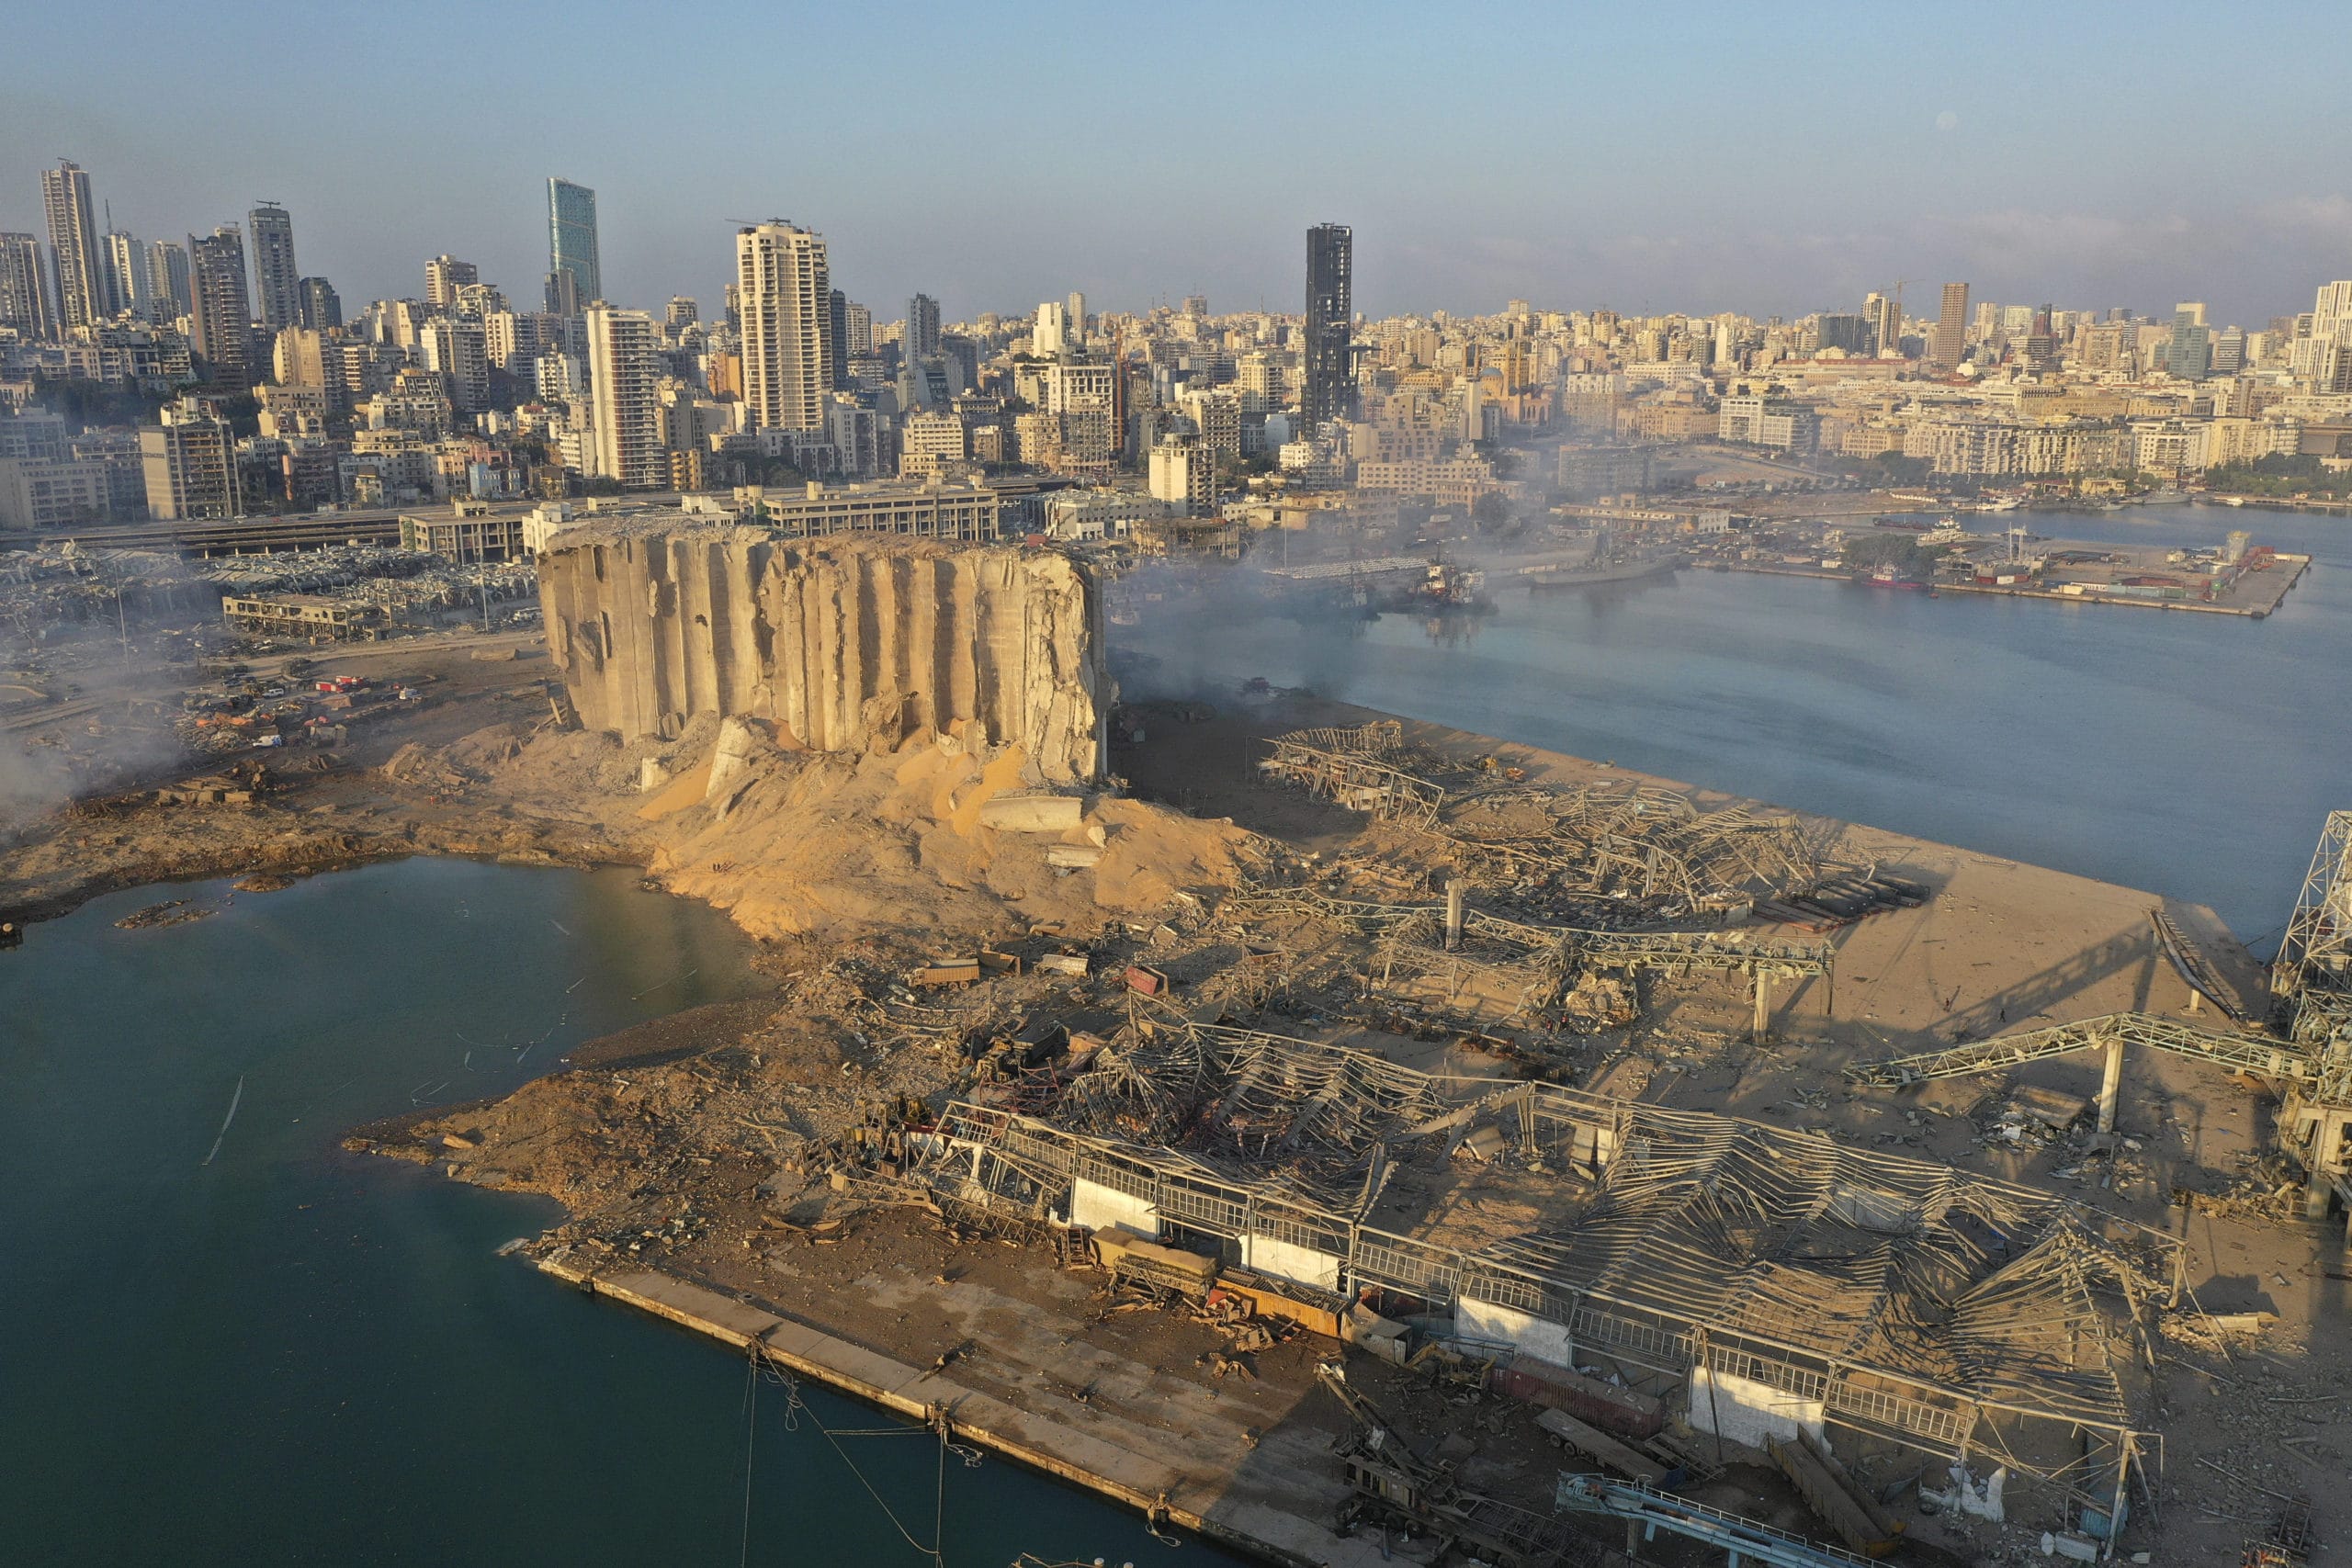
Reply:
x=272, y=1351
x=2190, y=755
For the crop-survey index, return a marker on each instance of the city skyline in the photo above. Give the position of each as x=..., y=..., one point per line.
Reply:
x=1670, y=171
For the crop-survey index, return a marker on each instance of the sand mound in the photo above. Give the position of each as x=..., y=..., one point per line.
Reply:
x=892, y=841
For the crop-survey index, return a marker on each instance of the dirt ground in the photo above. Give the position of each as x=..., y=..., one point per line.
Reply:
x=699, y=1144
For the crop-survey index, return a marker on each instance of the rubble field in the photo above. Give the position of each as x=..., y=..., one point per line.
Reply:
x=961, y=950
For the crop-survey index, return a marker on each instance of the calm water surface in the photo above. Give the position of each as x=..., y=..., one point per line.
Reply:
x=291, y=1354
x=2191, y=755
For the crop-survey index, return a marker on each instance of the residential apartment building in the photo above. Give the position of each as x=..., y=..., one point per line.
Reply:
x=624, y=375
x=278, y=282
x=24, y=291
x=74, y=242
x=1184, y=474
x=1760, y=420
x=222, y=340
x=786, y=303
x=191, y=463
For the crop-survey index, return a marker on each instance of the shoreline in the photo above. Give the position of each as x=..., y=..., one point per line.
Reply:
x=1989, y=908
x=2299, y=564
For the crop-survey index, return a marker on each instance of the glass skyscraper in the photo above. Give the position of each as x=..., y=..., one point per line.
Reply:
x=1329, y=389
x=571, y=244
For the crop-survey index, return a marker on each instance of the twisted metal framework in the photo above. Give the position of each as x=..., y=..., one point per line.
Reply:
x=1911, y=1300
x=2312, y=978
x=1349, y=771
x=2239, y=1053
x=1541, y=960
x=1632, y=839
x=2313, y=974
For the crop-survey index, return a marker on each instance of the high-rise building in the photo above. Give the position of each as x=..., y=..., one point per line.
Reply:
x=23, y=292
x=1183, y=473
x=74, y=242
x=191, y=458
x=623, y=386
x=278, y=282
x=444, y=275
x=1884, y=326
x=859, y=328
x=223, y=310
x=167, y=280
x=2189, y=356
x=299, y=357
x=572, y=248
x=2229, y=351
x=1329, y=387
x=1075, y=306
x=1051, y=334
x=683, y=312
x=1991, y=325
x=458, y=351
x=1952, y=328
x=321, y=308
x=837, y=365
x=2313, y=340
x=923, y=328
x=477, y=301
x=562, y=294
x=2039, y=351
x=126, y=272
x=786, y=300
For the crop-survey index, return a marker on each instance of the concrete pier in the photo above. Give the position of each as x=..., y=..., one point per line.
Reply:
x=1268, y=1492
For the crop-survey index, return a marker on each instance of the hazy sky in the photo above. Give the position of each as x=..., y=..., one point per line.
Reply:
x=1764, y=158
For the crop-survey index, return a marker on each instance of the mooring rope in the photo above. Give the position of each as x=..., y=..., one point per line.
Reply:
x=794, y=1409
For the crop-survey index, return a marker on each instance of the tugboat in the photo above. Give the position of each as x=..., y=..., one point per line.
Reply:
x=1445, y=589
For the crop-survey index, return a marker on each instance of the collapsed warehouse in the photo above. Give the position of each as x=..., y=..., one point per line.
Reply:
x=1760, y=1284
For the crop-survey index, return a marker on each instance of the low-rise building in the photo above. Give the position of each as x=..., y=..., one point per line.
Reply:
x=972, y=511
x=1605, y=470
x=469, y=531
x=311, y=615
x=1076, y=514
x=43, y=493
x=1760, y=420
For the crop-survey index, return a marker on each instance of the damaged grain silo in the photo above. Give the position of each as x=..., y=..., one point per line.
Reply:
x=653, y=621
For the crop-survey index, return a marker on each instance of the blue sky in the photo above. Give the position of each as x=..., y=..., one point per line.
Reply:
x=1765, y=158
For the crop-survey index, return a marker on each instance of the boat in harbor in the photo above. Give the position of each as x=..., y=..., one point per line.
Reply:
x=1594, y=576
